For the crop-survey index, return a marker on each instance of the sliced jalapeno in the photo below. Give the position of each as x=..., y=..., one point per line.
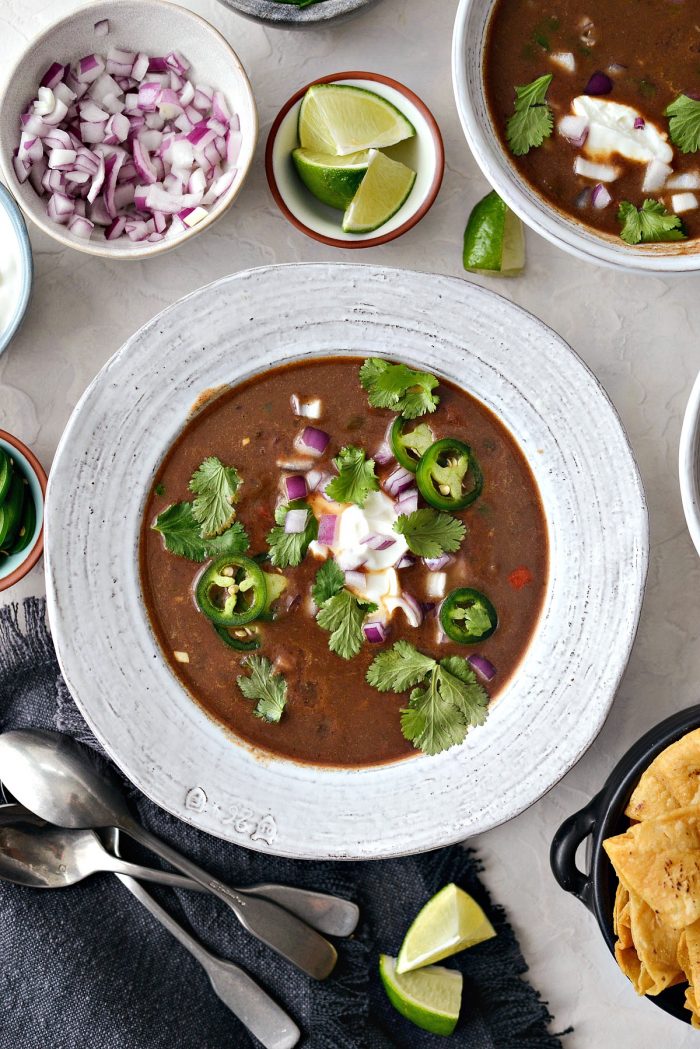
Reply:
x=409, y=445
x=232, y=591
x=444, y=472
x=5, y=474
x=244, y=639
x=25, y=533
x=467, y=616
x=11, y=511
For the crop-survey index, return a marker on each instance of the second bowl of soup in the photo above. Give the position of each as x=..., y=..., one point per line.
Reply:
x=585, y=125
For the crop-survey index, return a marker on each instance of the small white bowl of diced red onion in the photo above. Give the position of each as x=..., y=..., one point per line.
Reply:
x=127, y=127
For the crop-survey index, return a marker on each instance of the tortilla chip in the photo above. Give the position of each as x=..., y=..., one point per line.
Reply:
x=671, y=781
x=656, y=945
x=621, y=901
x=628, y=960
x=659, y=860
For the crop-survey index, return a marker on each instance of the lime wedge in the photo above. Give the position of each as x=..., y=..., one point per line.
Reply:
x=332, y=180
x=448, y=923
x=382, y=192
x=494, y=242
x=429, y=998
x=340, y=119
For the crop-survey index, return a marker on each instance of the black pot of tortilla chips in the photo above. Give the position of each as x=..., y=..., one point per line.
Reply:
x=643, y=885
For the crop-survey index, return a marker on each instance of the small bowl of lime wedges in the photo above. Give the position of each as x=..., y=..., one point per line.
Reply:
x=22, y=492
x=354, y=160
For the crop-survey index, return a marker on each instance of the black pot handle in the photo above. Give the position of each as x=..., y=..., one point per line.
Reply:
x=562, y=856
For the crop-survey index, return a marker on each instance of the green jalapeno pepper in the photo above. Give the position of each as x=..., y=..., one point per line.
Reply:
x=232, y=591
x=11, y=511
x=443, y=472
x=248, y=643
x=409, y=446
x=5, y=474
x=467, y=616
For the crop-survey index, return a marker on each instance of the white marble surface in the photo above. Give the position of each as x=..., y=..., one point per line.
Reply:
x=638, y=334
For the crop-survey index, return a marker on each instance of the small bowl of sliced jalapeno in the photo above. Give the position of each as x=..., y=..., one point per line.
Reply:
x=22, y=491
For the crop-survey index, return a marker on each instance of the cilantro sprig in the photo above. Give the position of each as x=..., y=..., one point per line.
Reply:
x=340, y=611
x=398, y=387
x=430, y=533
x=216, y=489
x=265, y=686
x=182, y=535
x=288, y=549
x=446, y=699
x=649, y=223
x=532, y=120
x=356, y=477
x=684, y=123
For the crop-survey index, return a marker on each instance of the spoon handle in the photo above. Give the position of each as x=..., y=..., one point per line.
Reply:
x=280, y=930
x=244, y=997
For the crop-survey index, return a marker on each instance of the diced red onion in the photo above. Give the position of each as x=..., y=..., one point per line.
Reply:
x=600, y=198
x=327, y=529
x=348, y=560
x=574, y=128
x=409, y=606
x=116, y=228
x=80, y=227
x=295, y=520
x=639, y=123
x=375, y=633
x=53, y=75
x=407, y=561
x=398, y=481
x=383, y=454
x=89, y=68
x=436, y=584
x=436, y=564
x=407, y=503
x=312, y=440
x=378, y=542
x=655, y=176
x=296, y=487
x=599, y=84
x=102, y=27
x=297, y=463
x=357, y=580
x=310, y=409
x=483, y=667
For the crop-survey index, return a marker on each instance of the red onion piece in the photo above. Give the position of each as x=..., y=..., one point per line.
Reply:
x=327, y=528
x=80, y=227
x=575, y=129
x=378, y=542
x=436, y=564
x=483, y=667
x=349, y=560
x=309, y=409
x=295, y=520
x=295, y=486
x=639, y=123
x=409, y=606
x=407, y=561
x=407, y=503
x=53, y=75
x=398, y=481
x=375, y=633
x=599, y=84
x=383, y=454
x=312, y=440
x=356, y=579
x=600, y=198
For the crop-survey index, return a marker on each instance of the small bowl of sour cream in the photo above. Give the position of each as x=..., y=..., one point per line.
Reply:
x=16, y=268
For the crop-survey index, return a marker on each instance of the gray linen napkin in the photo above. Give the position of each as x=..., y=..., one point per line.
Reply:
x=87, y=968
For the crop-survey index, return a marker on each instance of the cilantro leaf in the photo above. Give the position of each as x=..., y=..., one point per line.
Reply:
x=474, y=617
x=684, y=125
x=264, y=685
x=430, y=533
x=649, y=223
x=399, y=387
x=532, y=121
x=356, y=477
x=446, y=701
x=343, y=614
x=216, y=488
x=329, y=580
x=399, y=668
x=181, y=535
x=289, y=548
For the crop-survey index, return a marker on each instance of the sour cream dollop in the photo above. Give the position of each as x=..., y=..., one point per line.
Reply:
x=611, y=130
x=10, y=283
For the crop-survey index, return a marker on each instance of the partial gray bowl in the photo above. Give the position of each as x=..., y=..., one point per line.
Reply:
x=287, y=15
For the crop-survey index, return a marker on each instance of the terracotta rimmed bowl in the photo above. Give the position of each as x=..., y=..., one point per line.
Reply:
x=14, y=568
x=154, y=27
x=424, y=153
x=604, y=816
x=548, y=713
x=468, y=44
x=288, y=16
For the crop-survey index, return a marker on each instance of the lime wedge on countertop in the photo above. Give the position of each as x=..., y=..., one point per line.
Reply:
x=382, y=191
x=340, y=119
x=494, y=242
x=430, y=998
x=332, y=180
x=449, y=922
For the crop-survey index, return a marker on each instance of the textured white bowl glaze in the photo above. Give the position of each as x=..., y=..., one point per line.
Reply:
x=467, y=75
x=556, y=702
x=152, y=26
x=689, y=464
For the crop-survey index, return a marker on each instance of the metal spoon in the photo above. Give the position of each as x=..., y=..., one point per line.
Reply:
x=58, y=779
x=56, y=857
